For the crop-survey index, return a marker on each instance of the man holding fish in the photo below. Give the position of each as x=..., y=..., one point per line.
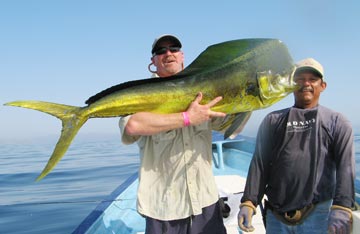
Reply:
x=171, y=117
x=246, y=74
x=177, y=191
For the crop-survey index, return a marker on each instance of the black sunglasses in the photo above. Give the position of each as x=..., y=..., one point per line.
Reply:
x=163, y=50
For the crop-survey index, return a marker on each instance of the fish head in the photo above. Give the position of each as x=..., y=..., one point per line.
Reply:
x=274, y=86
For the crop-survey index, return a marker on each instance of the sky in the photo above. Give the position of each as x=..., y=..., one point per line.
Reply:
x=65, y=51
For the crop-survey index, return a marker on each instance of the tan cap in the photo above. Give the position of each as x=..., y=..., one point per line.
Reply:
x=310, y=64
x=165, y=37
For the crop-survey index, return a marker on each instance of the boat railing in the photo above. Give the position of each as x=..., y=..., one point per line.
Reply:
x=219, y=147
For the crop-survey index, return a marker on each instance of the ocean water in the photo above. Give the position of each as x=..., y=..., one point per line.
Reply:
x=88, y=173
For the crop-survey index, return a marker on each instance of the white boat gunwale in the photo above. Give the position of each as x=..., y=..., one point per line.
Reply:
x=95, y=214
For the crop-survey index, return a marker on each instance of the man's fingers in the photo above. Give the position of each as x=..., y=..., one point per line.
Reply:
x=245, y=223
x=199, y=97
x=211, y=103
x=241, y=223
x=214, y=101
x=217, y=114
x=331, y=230
x=243, y=227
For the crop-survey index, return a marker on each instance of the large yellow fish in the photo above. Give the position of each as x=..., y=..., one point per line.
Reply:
x=249, y=74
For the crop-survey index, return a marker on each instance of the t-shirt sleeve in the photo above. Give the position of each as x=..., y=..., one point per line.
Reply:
x=344, y=154
x=259, y=166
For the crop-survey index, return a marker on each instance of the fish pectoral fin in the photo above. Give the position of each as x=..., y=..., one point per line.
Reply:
x=235, y=124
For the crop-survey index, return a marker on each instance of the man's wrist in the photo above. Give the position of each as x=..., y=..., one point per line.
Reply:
x=248, y=204
x=337, y=207
x=186, y=119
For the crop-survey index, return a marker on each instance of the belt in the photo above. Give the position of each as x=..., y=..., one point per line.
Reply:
x=292, y=217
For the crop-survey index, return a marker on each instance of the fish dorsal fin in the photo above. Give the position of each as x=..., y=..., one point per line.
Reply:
x=219, y=55
x=125, y=85
x=214, y=57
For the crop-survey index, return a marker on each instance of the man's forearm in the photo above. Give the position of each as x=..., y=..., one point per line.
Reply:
x=146, y=123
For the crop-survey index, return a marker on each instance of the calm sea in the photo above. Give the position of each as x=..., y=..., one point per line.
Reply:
x=88, y=173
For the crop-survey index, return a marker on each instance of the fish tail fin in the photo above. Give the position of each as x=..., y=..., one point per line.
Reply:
x=72, y=117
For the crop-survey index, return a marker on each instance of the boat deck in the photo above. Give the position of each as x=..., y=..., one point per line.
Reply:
x=231, y=161
x=232, y=186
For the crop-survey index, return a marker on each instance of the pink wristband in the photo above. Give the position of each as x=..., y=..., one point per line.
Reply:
x=186, y=119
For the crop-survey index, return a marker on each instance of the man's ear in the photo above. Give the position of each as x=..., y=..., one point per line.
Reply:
x=323, y=85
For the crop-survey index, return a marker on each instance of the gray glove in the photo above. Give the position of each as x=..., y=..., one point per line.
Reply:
x=340, y=220
x=247, y=210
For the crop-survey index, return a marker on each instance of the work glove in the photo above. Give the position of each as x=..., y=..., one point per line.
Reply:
x=340, y=220
x=247, y=210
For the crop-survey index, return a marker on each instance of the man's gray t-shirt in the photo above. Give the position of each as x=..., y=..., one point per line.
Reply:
x=302, y=156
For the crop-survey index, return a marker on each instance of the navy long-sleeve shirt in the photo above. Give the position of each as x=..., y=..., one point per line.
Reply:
x=302, y=156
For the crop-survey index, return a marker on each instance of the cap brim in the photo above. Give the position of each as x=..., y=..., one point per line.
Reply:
x=309, y=69
x=173, y=39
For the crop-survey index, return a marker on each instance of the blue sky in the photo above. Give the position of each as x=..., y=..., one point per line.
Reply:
x=66, y=51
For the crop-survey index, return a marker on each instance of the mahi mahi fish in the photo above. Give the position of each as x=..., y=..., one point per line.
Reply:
x=249, y=74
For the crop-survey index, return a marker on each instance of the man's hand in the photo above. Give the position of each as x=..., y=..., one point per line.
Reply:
x=147, y=123
x=340, y=220
x=202, y=113
x=247, y=210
